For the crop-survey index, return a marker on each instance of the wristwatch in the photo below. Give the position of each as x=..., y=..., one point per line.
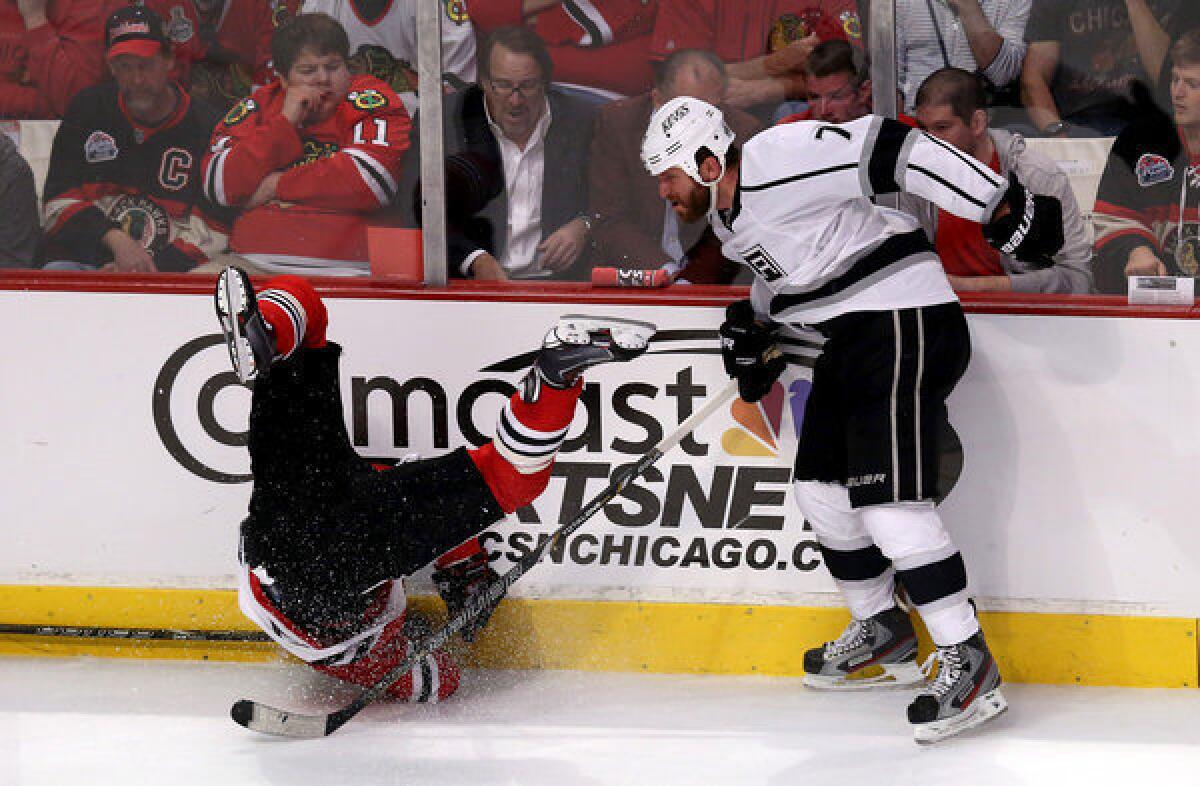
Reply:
x=588, y=220
x=1057, y=127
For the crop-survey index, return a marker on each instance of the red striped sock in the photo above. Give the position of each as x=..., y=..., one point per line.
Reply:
x=295, y=312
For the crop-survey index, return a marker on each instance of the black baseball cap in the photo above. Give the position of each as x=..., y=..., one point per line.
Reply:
x=134, y=30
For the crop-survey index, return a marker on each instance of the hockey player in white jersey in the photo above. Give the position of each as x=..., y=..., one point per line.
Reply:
x=795, y=205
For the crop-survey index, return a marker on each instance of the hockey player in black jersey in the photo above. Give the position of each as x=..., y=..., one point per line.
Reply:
x=795, y=205
x=329, y=537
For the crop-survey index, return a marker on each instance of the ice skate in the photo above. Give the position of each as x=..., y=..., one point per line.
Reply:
x=578, y=342
x=250, y=341
x=965, y=693
x=878, y=652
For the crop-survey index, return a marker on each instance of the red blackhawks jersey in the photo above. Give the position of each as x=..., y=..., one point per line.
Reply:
x=335, y=175
x=41, y=69
x=598, y=43
x=751, y=28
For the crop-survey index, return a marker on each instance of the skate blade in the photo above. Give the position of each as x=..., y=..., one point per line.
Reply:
x=891, y=676
x=629, y=334
x=231, y=299
x=986, y=707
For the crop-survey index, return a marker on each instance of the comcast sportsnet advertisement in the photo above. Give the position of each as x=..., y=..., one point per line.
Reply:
x=712, y=520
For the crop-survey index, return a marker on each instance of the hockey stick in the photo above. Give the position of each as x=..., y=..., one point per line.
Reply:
x=269, y=720
x=142, y=634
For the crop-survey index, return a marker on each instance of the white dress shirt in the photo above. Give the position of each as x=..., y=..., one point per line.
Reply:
x=524, y=171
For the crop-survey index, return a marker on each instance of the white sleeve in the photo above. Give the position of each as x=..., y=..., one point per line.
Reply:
x=935, y=170
x=809, y=165
x=1006, y=66
x=458, y=47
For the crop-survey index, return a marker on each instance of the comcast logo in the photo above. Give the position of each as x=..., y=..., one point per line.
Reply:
x=760, y=425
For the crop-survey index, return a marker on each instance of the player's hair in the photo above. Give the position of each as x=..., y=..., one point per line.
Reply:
x=836, y=56
x=666, y=72
x=961, y=90
x=318, y=32
x=518, y=39
x=1186, y=49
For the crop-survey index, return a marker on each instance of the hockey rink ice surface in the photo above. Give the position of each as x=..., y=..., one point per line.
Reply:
x=98, y=721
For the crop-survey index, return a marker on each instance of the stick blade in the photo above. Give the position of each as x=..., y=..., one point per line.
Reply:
x=281, y=723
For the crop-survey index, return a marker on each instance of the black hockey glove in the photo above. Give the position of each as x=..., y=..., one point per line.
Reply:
x=462, y=580
x=748, y=348
x=1033, y=229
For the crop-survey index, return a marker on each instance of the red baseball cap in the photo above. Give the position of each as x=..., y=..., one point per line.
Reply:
x=134, y=30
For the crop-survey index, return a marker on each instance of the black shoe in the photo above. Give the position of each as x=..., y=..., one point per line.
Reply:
x=250, y=340
x=578, y=342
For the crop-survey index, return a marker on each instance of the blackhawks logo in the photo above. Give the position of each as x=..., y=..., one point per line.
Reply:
x=142, y=219
x=239, y=112
x=315, y=150
x=367, y=100
x=456, y=10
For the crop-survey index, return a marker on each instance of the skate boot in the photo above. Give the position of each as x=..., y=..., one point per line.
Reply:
x=965, y=693
x=250, y=340
x=578, y=342
x=880, y=651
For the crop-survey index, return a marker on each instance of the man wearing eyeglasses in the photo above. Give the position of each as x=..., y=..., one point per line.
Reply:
x=535, y=224
x=838, y=77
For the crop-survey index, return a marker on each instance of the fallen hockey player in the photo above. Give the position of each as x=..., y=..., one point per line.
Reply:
x=329, y=537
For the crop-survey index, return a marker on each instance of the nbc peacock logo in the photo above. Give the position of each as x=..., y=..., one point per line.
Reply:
x=759, y=428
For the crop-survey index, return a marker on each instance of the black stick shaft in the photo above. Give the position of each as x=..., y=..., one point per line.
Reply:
x=147, y=634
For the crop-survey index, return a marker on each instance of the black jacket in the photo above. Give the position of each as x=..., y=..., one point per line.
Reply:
x=564, y=187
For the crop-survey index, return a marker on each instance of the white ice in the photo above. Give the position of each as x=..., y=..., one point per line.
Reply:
x=79, y=721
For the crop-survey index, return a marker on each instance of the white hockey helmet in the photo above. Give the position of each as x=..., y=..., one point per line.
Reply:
x=678, y=130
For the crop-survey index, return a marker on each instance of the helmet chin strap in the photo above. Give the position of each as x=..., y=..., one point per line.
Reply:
x=713, y=188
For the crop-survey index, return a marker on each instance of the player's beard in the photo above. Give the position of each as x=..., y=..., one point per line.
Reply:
x=694, y=206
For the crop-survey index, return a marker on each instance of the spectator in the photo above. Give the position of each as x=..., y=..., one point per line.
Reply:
x=49, y=51
x=635, y=227
x=1148, y=207
x=952, y=106
x=383, y=42
x=764, y=43
x=1083, y=75
x=602, y=44
x=839, y=85
x=537, y=225
x=222, y=47
x=308, y=157
x=1154, y=39
x=123, y=191
x=984, y=36
x=21, y=230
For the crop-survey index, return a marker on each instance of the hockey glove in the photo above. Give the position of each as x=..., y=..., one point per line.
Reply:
x=1032, y=231
x=461, y=580
x=749, y=351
